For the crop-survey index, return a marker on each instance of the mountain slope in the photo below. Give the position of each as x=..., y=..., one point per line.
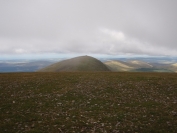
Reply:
x=118, y=66
x=139, y=64
x=82, y=63
x=172, y=67
x=127, y=66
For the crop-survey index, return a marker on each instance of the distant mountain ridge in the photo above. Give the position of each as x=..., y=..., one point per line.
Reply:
x=81, y=63
x=139, y=66
x=87, y=63
x=131, y=65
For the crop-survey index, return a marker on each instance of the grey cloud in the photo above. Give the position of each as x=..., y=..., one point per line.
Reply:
x=101, y=27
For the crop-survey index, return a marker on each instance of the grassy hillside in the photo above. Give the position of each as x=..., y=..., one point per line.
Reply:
x=139, y=66
x=127, y=66
x=82, y=63
x=118, y=66
x=88, y=102
x=172, y=67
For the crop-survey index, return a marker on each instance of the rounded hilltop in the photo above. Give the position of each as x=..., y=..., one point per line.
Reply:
x=81, y=63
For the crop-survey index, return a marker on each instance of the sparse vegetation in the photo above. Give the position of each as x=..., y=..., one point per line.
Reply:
x=88, y=102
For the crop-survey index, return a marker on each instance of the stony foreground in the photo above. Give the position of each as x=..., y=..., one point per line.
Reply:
x=88, y=102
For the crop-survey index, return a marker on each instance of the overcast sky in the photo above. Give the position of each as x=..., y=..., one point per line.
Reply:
x=109, y=27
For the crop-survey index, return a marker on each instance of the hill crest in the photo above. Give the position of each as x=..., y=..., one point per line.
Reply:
x=81, y=63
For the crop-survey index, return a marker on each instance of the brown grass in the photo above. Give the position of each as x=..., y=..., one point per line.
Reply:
x=88, y=102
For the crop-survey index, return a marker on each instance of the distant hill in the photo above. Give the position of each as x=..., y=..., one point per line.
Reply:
x=172, y=67
x=86, y=63
x=81, y=63
x=130, y=65
x=139, y=64
x=118, y=66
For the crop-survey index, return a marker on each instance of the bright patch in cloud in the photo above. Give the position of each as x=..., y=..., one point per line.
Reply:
x=118, y=35
x=19, y=51
x=119, y=43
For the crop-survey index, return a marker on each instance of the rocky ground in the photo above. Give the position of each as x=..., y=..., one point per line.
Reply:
x=88, y=102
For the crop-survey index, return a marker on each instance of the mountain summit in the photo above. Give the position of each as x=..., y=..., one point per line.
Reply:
x=81, y=63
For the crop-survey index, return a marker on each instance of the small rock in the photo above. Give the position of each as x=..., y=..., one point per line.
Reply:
x=32, y=125
x=39, y=121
